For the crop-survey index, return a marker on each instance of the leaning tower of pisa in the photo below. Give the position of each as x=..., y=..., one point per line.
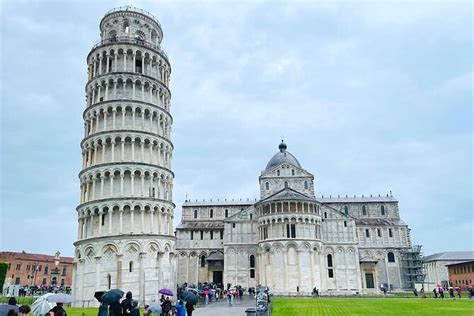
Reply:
x=125, y=215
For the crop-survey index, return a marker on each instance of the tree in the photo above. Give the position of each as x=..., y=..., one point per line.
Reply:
x=3, y=273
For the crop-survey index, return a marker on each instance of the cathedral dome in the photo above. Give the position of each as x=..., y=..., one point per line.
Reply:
x=281, y=157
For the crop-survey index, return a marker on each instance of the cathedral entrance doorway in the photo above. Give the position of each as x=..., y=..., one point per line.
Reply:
x=369, y=280
x=217, y=278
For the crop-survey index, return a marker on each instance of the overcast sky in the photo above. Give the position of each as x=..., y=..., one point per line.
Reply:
x=369, y=96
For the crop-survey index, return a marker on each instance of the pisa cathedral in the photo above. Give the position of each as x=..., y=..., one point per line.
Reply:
x=289, y=240
x=292, y=241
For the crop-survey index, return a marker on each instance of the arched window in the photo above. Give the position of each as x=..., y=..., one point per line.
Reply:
x=364, y=210
x=109, y=281
x=153, y=37
x=252, y=261
x=346, y=210
x=211, y=213
x=286, y=184
x=345, y=223
x=325, y=215
x=267, y=186
x=329, y=260
x=226, y=213
x=203, y=261
x=113, y=36
x=130, y=266
x=306, y=185
x=292, y=172
x=126, y=26
x=278, y=172
x=391, y=257
x=382, y=210
x=195, y=213
x=140, y=36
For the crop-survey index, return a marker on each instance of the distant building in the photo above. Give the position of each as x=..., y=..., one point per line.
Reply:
x=37, y=269
x=461, y=274
x=292, y=241
x=436, y=269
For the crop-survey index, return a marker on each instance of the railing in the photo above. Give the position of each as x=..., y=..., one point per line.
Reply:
x=128, y=40
x=134, y=9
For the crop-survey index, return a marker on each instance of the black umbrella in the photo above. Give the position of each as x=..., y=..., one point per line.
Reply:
x=190, y=297
x=98, y=295
x=112, y=296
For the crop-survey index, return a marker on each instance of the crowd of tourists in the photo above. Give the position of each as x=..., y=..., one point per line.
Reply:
x=454, y=292
x=12, y=309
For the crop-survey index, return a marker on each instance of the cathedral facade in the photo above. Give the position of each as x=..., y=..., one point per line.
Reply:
x=291, y=241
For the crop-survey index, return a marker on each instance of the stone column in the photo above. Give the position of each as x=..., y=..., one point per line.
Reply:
x=101, y=212
x=121, y=221
x=152, y=224
x=111, y=214
x=112, y=149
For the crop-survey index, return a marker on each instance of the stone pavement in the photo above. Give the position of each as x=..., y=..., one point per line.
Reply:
x=222, y=308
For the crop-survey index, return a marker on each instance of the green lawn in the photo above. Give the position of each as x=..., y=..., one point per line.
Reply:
x=370, y=306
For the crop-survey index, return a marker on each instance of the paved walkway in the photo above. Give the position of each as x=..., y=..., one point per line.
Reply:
x=222, y=308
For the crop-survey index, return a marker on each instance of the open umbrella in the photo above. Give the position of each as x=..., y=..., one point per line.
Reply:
x=190, y=297
x=59, y=298
x=166, y=291
x=4, y=308
x=98, y=295
x=112, y=296
x=41, y=306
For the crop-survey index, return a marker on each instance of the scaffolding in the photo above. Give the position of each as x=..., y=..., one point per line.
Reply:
x=412, y=266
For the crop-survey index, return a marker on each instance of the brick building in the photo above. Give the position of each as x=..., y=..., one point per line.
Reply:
x=461, y=274
x=37, y=269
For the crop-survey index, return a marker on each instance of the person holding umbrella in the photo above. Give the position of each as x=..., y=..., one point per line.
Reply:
x=166, y=306
x=58, y=310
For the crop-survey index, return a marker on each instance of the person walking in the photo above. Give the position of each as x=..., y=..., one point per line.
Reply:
x=57, y=310
x=189, y=309
x=166, y=307
x=115, y=309
x=451, y=292
x=435, y=292
x=127, y=306
x=180, y=309
x=230, y=298
x=441, y=292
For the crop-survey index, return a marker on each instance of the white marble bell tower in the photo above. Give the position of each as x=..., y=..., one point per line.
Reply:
x=125, y=216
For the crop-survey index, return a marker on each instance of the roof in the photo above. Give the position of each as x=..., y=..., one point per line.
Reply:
x=357, y=199
x=288, y=194
x=379, y=222
x=450, y=255
x=460, y=263
x=282, y=157
x=6, y=255
x=240, y=202
x=198, y=225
